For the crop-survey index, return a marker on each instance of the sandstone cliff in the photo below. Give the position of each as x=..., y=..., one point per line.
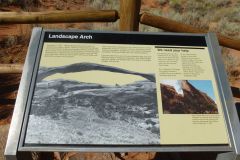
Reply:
x=193, y=101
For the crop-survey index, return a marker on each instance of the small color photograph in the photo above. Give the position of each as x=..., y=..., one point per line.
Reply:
x=188, y=97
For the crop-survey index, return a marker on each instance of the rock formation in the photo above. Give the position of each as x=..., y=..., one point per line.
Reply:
x=80, y=67
x=94, y=113
x=193, y=101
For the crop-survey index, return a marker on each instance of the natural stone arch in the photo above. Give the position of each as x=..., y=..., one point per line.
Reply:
x=81, y=67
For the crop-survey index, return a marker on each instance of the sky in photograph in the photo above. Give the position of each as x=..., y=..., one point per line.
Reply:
x=204, y=86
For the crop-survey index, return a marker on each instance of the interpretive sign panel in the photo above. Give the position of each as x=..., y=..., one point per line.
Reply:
x=124, y=89
x=92, y=91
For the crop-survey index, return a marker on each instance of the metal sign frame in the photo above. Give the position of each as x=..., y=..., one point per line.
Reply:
x=15, y=138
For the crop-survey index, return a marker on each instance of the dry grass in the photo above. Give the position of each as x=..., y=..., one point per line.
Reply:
x=202, y=13
x=232, y=65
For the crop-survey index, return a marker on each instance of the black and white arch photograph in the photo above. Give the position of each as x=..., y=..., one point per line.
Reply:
x=74, y=111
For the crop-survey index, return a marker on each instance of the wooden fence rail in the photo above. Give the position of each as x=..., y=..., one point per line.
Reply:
x=58, y=17
x=174, y=26
x=129, y=18
x=11, y=68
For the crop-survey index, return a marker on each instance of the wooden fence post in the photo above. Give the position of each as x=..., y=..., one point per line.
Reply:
x=129, y=15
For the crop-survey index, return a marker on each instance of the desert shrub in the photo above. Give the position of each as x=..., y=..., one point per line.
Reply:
x=234, y=14
x=103, y=4
x=2, y=2
x=106, y=26
x=11, y=1
x=60, y=5
x=219, y=14
x=220, y=3
x=231, y=62
x=10, y=41
x=229, y=28
x=176, y=5
x=173, y=15
x=190, y=18
x=162, y=2
x=23, y=3
x=197, y=6
x=27, y=3
x=145, y=28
